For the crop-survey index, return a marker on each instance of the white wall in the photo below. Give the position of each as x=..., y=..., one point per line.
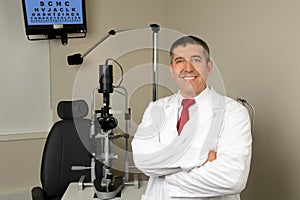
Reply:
x=24, y=76
x=25, y=102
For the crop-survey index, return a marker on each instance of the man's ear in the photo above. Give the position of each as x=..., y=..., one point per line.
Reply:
x=209, y=67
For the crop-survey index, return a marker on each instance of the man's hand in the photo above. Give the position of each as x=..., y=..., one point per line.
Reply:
x=212, y=155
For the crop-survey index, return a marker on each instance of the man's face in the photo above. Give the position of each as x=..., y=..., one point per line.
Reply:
x=190, y=69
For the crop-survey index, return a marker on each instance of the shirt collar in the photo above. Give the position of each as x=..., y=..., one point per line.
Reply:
x=200, y=98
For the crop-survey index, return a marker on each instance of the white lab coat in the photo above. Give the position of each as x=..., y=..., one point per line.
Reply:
x=175, y=163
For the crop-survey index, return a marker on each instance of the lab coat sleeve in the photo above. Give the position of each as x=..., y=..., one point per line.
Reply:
x=229, y=172
x=151, y=156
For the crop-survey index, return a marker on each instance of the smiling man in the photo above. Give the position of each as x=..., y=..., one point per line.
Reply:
x=195, y=144
x=190, y=65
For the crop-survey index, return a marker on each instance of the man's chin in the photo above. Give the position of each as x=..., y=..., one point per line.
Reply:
x=188, y=93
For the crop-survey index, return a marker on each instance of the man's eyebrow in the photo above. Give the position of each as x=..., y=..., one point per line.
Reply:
x=178, y=58
x=196, y=56
x=193, y=56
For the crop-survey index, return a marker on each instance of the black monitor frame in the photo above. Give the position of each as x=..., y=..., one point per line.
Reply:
x=55, y=31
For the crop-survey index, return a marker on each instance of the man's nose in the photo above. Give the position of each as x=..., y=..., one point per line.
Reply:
x=188, y=67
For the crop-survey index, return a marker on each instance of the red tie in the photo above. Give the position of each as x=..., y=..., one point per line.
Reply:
x=186, y=103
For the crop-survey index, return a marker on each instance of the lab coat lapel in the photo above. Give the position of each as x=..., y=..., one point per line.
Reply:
x=217, y=105
x=172, y=114
x=171, y=111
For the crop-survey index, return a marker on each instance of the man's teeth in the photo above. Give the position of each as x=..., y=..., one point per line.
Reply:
x=189, y=77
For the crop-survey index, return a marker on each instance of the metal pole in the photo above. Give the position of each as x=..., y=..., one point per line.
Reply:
x=155, y=28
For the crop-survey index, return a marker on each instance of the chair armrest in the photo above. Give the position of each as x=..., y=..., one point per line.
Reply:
x=37, y=193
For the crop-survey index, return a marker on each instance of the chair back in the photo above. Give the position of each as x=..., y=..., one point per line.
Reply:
x=64, y=148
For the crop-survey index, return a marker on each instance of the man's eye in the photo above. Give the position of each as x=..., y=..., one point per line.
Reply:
x=195, y=60
x=179, y=61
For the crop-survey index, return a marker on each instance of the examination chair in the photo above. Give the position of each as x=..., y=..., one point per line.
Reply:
x=63, y=149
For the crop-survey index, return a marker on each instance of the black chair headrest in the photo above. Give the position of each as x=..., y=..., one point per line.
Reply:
x=72, y=109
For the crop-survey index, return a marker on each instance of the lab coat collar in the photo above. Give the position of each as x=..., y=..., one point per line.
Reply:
x=200, y=98
x=208, y=98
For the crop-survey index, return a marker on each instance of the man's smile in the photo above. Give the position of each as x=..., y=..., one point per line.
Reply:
x=188, y=78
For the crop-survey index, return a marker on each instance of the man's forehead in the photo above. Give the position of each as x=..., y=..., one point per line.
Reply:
x=188, y=50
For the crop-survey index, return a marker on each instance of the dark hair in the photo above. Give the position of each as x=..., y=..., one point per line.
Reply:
x=183, y=41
